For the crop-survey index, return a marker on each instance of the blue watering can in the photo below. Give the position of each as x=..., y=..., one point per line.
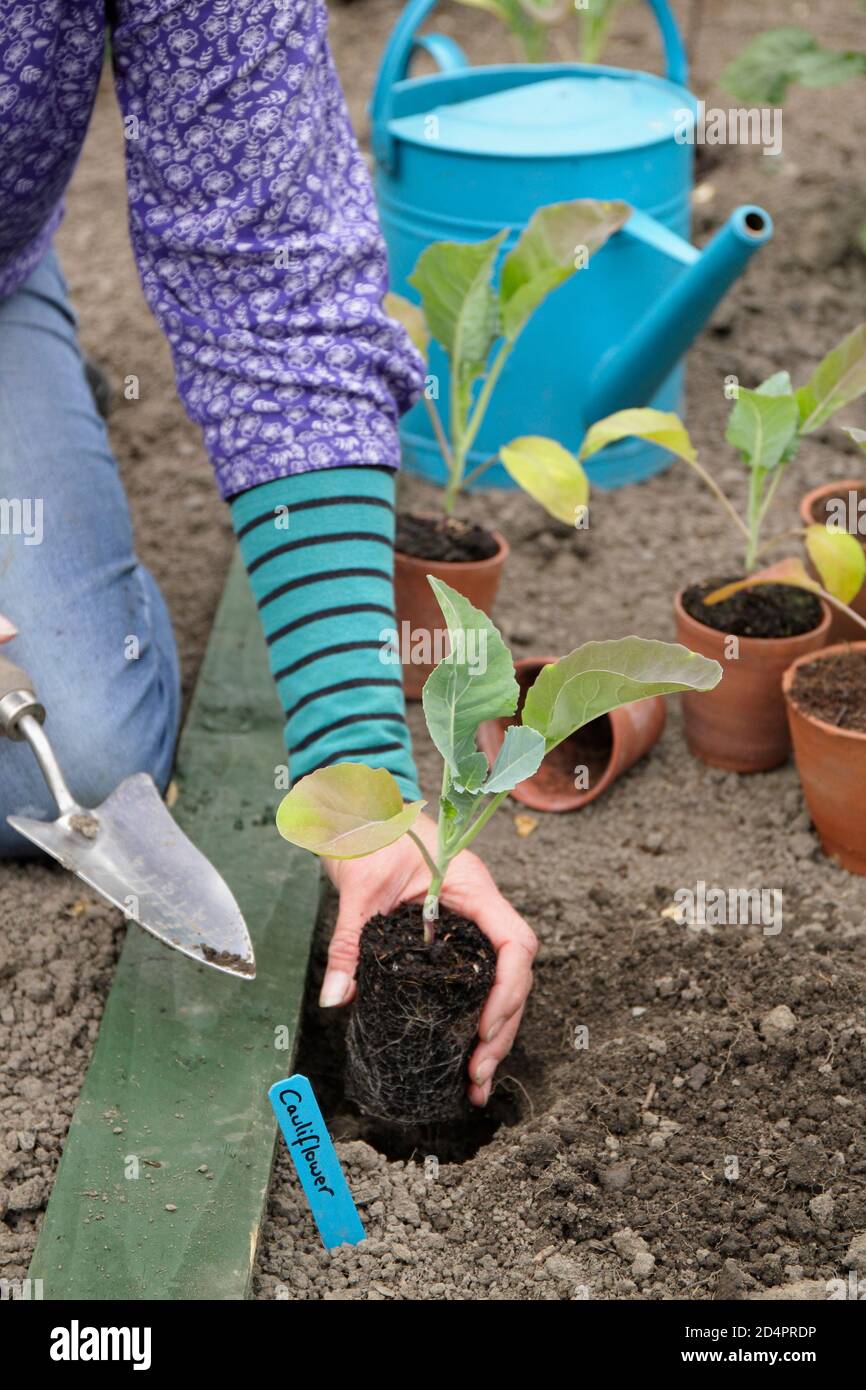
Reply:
x=467, y=151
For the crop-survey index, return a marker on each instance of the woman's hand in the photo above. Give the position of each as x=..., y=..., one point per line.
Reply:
x=398, y=874
x=7, y=630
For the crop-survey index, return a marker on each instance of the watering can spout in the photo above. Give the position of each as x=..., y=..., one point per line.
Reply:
x=632, y=372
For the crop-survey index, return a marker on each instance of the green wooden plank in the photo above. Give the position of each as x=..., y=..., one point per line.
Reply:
x=185, y=1054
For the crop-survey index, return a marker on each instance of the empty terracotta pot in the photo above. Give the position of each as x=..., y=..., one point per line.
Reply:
x=420, y=627
x=583, y=766
x=842, y=629
x=832, y=767
x=741, y=725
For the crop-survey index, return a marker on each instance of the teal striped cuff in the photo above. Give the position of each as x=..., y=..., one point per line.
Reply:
x=319, y=551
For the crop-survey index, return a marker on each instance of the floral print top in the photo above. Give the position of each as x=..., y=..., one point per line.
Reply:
x=250, y=209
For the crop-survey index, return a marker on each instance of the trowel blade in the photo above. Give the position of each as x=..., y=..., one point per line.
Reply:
x=131, y=851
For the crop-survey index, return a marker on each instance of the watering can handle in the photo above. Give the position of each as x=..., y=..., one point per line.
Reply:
x=404, y=41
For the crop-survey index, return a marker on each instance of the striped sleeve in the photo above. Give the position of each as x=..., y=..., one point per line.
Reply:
x=319, y=551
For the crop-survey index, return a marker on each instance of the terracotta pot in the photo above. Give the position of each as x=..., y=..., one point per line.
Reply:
x=741, y=725
x=832, y=767
x=842, y=629
x=606, y=747
x=419, y=617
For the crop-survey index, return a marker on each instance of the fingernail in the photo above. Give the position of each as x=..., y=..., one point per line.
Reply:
x=485, y=1070
x=335, y=988
x=493, y=1030
x=486, y=1094
x=7, y=629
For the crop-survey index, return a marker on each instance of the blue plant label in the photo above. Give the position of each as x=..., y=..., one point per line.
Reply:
x=316, y=1162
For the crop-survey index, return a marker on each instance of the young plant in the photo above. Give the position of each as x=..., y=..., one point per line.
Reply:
x=595, y=21
x=762, y=72
x=531, y=22
x=350, y=810
x=767, y=425
x=477, y=325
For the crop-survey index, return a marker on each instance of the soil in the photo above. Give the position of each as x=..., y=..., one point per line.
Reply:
x=443, y=539
x=607, y=1169
x=414, y=1022
x=85, y=824
x=834, y=690
x=229, y=960
x=768, y=610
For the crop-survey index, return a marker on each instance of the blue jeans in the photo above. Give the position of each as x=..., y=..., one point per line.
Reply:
x=95, y=634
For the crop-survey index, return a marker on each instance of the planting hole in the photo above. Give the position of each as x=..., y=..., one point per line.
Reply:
x=451, y=1143
x=321, y=1056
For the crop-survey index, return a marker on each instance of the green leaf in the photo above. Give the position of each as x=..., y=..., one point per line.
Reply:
x=519, y=757
x=858, y=436
x=547, y=254
x=527, y=26
x=474, y=682
x=839, y=559
x=601, y=676
x=761, y=73
x=835, y=382
x=779, y=384
x=462, y=311
x=660, y=427
x=412, y=318
x=550, y=474
x=827, y=67
x=345, y=811
x=595, y=25
x=459, y=805
x=764, y=423
x=473, y=771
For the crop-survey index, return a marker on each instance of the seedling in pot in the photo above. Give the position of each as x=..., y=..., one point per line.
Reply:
x=826, y=701
x=531, y=22
x=478, y=324
x=767, y=425
x=350, y=810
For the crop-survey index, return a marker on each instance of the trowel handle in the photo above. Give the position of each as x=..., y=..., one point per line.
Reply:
x=17, y=698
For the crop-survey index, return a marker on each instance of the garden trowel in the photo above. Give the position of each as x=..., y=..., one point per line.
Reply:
x=130, y=849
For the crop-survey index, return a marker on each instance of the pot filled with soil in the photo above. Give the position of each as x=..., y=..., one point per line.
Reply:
x=825, y=696
x=835, y=504
x=755, y=635
x=415, y=1018
x=583, y=766
x=467, y=557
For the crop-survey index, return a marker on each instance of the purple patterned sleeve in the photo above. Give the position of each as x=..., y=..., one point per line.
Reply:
x=255, y=230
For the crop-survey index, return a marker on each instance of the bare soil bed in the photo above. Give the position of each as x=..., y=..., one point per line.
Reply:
x=705, y=1135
